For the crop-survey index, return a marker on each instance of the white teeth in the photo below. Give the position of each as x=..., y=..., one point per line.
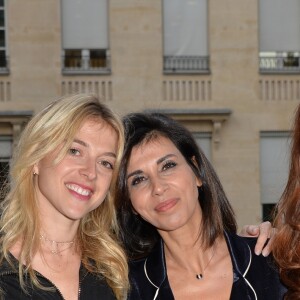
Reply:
x=78, y=189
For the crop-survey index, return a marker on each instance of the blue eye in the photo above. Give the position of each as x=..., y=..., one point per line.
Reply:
x=169, y=165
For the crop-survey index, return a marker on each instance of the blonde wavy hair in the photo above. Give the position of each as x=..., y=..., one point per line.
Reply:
x=98, y=231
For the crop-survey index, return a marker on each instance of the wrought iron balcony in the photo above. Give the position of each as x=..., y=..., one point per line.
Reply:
x=280, y=63
x=186, y=64
x=86, y=65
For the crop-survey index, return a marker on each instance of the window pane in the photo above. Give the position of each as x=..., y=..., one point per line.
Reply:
x=268, y=211
x=274, y=165
x=185, y=27
x=73, y=58
x=3, y=63
x=98, y=58
x=1, y=18
x=276, y=34
x=203, y=140
x=85, y=24
x=1, y=3
x=2, y=38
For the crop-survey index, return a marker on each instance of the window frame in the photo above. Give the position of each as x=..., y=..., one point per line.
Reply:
x=185, y=64
x=4, y=69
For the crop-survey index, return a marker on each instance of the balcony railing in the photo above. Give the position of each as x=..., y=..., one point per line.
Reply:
x=186, y=64
x=86, y=65
x=279, y=63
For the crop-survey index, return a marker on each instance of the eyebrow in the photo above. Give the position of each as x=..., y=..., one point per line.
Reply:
x=159, y=161
x=80, y=142
x=84, y=144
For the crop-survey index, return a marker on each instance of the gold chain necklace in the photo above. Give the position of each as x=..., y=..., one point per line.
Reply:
x=57, y=248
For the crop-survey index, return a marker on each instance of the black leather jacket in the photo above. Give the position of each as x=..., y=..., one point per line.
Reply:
x=91, y=287
x=254, y=277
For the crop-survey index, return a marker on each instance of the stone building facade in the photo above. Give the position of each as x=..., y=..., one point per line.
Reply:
x=228, y=85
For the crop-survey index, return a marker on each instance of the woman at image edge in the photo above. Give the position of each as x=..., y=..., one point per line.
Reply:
x=58, y=224
x=286, y=246
x=175, y=216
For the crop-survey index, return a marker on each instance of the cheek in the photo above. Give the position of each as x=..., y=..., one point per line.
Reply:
x=103, y=183
x=137, y=205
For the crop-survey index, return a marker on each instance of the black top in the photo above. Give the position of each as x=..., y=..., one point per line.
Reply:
x=254, y=277
x=91, y=286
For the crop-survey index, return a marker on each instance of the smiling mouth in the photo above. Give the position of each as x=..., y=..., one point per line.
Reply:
x=166, y=205
x=79, y=190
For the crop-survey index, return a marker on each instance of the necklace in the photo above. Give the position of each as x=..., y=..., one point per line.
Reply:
x=200, y=276
x=57, y=248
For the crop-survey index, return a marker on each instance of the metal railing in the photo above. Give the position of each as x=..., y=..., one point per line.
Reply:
x=279, y=64
x=86, y=64
x=186, y=64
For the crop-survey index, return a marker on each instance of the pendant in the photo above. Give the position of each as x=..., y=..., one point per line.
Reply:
x=199, y=276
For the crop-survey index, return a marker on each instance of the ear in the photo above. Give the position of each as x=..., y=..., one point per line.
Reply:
x=198, y=180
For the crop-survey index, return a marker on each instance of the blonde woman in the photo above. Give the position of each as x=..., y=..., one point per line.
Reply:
x=58, y=225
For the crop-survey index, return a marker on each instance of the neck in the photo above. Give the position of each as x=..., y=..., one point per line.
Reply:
x=192, y=257
x=58, y=238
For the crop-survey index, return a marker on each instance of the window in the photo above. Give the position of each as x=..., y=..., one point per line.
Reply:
x=203, y=140
x=279, y=36
x=274, y=168
x=5, y=154
x=185, y=36
x=85, y=38
x=3, y=48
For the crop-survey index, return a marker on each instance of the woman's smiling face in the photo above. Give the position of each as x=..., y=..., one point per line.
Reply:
x=80, y=182
x=162, y=186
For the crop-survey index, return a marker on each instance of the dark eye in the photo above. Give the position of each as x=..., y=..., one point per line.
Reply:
x=137, y=180
x=74, y=151
x=107, y=164
x=169, y=165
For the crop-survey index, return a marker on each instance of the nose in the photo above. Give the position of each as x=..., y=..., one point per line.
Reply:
x=159, y=186
x=89, y=169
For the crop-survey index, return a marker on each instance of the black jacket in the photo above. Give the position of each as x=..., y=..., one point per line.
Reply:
x=91, y=287
x=254, y=277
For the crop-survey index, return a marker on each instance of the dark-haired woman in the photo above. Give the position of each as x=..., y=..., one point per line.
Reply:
x=178, y=224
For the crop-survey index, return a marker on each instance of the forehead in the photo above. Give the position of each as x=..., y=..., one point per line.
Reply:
x=95, y=124
x=156, y=146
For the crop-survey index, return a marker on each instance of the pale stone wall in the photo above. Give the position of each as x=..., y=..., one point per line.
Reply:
x=258, y=102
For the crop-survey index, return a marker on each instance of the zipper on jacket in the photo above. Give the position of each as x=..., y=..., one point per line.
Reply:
x=6, y=273
x=57, y=289
x=42, y=276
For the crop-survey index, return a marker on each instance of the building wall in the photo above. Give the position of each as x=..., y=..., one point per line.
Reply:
x=258, y=102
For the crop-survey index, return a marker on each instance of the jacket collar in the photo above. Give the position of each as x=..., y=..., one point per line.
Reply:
x=155, y=264
x=240, y=254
